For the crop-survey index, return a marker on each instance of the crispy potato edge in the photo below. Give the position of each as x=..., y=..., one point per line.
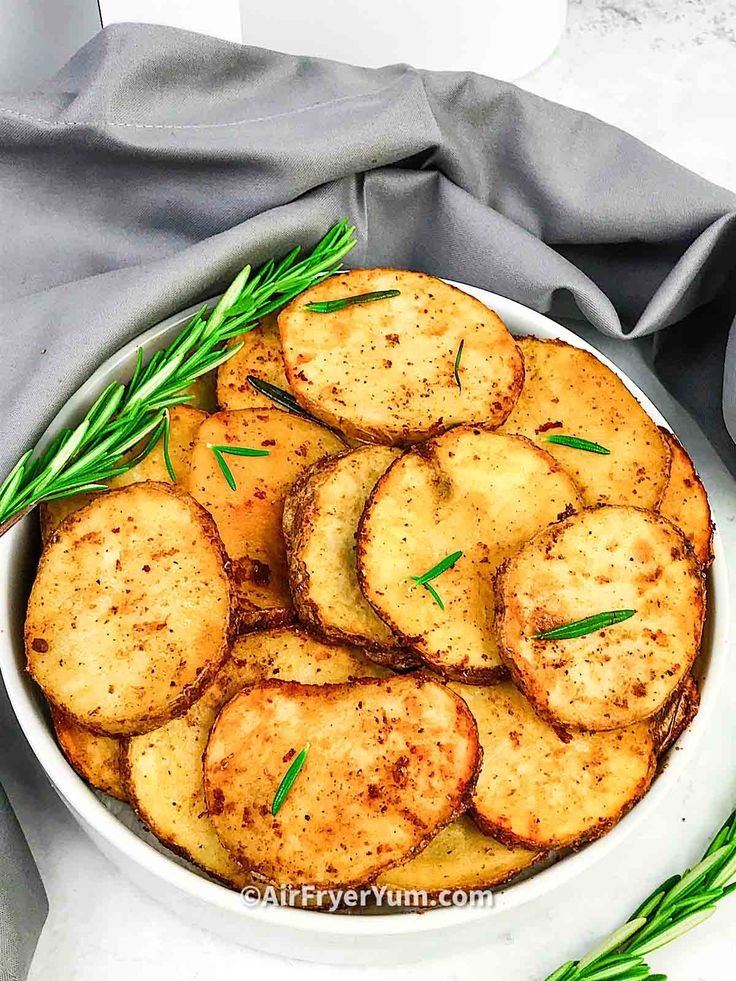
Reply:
x=192, y=692
x=471, y=676
x=299, y=504
x=460, y=806
x=377, y=434
x=519, y=678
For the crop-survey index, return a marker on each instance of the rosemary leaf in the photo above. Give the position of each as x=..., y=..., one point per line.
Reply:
x=587, y=625
x=675, y=931
x=285, y=400
x=434, y=594
x=693, y=878
x=167, y=455
x=458, y=358
x=125, y=415
x=442, y=566
x=612, y=941
x=655, y=898
x=288, y=780
x=566, y=972
x=630, y=969
x=219, y=452
x=332, y=306
x=672, y=909
x=577, y=443
x=425, y=580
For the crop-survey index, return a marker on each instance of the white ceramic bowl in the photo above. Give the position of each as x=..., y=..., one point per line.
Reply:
x=310, y=935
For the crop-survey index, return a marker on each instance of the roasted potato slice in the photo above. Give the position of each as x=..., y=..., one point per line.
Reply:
x=184, y=423
x=164, y=768
x=321, y=516
x=129, y=615
x=469, y=490
x=249, y=517
x=569, y=392
x=542, y=792
x=261, y=356
x=391, y=761
x=671, y=721
x=602, y=559
x=97, y=759
x=385, y=371
x=459, y=858
x=685, y=502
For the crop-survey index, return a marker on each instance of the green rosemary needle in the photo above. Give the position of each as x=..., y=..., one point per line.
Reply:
x=458, y=357
x=577, y=444
x=442, y=566
x=588, y=625
x=167, y=454
x=674, y=908
x=285, y=400
x=332, y=306
x=220, y=452
x=288, y=780
x=124, y=417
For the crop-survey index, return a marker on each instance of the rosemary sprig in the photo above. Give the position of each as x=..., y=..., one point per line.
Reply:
x=285, y=400
x=442, y=566
x=288, y=781
x=86, y=457
x=458, y=357
x=588, y=625
x=167, y=454
x=676, y=906
x=332, y=306
x=577, y=443
x=219, y=452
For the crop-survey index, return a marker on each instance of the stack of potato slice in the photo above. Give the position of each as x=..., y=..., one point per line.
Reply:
x=379, y=594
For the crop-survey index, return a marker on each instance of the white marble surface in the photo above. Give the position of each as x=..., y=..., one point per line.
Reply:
x=666, y=71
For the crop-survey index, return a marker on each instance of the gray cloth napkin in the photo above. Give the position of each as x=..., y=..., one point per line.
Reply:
x=22, y=898
x=157, y=162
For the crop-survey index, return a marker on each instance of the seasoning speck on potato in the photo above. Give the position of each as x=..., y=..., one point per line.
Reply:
x=385, y=371
x=129, y=615
x=391, y=761
x=601, y=559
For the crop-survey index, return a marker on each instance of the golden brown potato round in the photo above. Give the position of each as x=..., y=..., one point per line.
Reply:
x=97, y=759
x=569, y=392
x=602, y=559
x=538, y=791
x=391, y=761
x=249, y=517
x=469, y=490
x=385, y=371
x=164, y=768
x=129, y=615
x=685, y=503
x=261, y=356
x=321, y=516
x=461, y=858
x=184, y=423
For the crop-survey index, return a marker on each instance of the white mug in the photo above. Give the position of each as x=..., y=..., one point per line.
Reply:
x=502, y=38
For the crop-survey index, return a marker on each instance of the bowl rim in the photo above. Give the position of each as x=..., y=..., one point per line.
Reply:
x=92, y=813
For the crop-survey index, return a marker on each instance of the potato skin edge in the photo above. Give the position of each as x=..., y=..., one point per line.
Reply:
x=147, y=822
x=669, y=437
x=297, y=507
x=391, y=437
x=530, y=691
x=511, y=840
x=68, y=756
x=461, y=805
x=470, y=676
x=192, y=692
